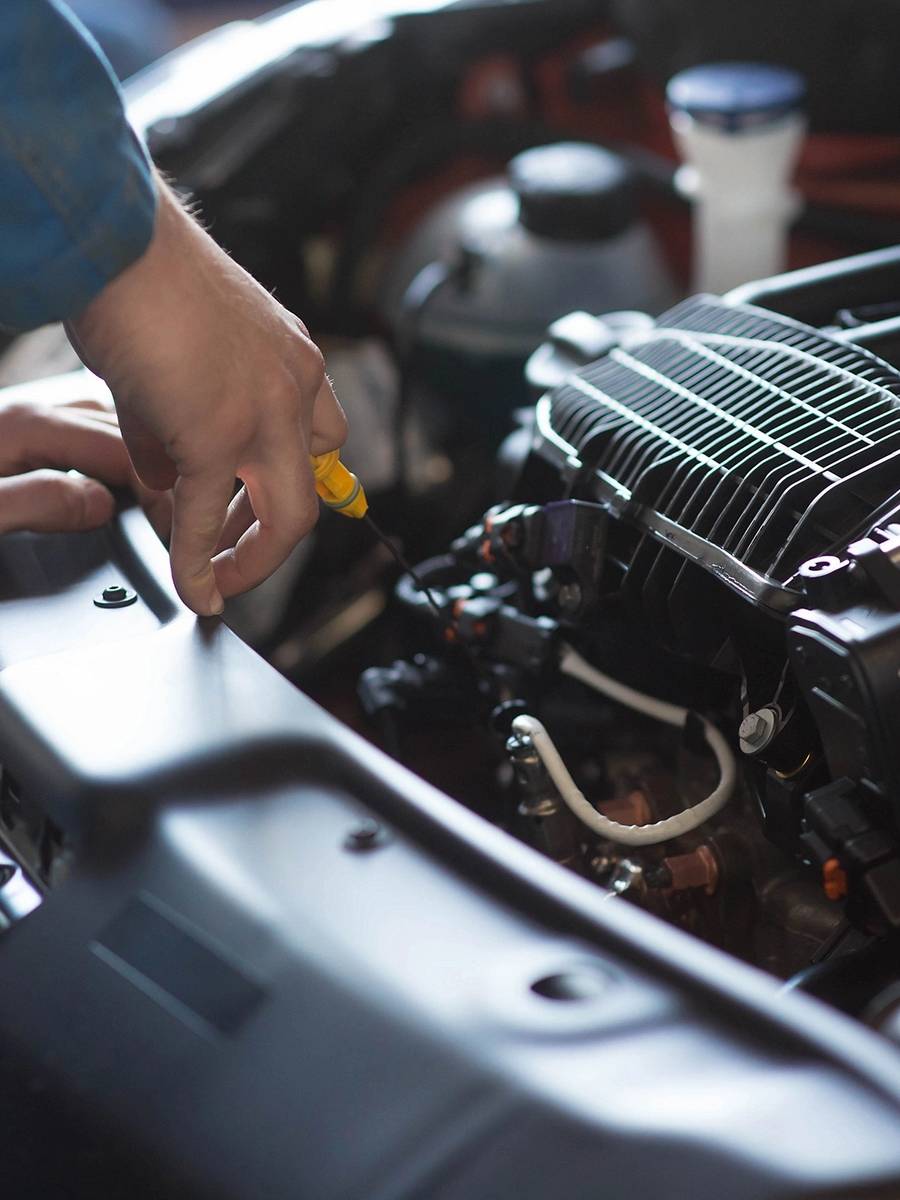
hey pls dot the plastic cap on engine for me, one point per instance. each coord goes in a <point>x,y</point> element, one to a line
<point>573,191</point>
<point>736,96</point>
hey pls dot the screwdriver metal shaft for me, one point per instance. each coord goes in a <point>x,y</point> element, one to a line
<point>405,566</point>
<point>341,490</point>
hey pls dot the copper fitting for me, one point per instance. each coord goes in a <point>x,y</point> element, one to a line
<point>632,809</point>
<point>699,869</point>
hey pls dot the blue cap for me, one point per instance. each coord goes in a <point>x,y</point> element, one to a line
<point>736,96</point>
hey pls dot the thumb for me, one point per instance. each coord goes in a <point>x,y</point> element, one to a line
<point>53,502</point>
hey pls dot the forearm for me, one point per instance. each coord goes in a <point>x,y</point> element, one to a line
<point>78,196</point>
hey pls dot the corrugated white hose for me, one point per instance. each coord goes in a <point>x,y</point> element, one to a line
<point>571,663</point>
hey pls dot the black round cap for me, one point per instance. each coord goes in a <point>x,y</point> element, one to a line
<point>573,191</point>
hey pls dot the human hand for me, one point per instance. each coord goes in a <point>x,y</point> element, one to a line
<point>39,444</point>
<point>213,381</point>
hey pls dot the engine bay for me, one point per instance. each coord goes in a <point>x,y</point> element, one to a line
<point>657,538</point>
<point>699,533</point>
<point>651,631</point>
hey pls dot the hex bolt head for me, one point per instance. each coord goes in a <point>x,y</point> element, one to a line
<point>758,728</point>
<point>752,727</point>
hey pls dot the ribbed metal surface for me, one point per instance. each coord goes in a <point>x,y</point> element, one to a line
<point>762,436</point>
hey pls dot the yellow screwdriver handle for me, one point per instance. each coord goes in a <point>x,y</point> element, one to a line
<point>337,487</point>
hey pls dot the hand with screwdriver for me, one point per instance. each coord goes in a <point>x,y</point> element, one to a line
<point>213,381</point>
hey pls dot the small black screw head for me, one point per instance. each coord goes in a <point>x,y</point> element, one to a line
<point>115,595</point>
<point>367,835</point>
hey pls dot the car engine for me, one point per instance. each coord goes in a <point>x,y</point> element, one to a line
<point>698,552</point>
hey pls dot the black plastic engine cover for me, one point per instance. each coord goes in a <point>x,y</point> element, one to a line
<point>234,997</point>
<point>745,440</point>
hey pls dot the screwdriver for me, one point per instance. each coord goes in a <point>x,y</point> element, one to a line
<point>340,490</point>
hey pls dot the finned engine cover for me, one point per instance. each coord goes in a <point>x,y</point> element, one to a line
<point>747,441</point>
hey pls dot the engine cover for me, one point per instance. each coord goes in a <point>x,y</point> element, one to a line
<point>749,463</point>
<point>745,440</point>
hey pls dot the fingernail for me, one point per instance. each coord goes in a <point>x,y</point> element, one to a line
<point>216,605</point>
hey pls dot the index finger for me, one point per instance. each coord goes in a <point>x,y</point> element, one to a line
<point>63,438</point>
<point>283,498</point>
<point>199,504</point>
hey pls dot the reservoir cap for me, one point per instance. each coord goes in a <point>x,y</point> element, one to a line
<point>573,191</point>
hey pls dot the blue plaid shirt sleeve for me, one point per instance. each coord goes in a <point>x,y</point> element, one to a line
<point>77,198</point>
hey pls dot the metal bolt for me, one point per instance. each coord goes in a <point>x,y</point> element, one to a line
<point>697,869</point>
<point>752,727</point>
<point>367,835</point>
<point>758,728</point>
<point>115,595</point>
<point>520,745</point>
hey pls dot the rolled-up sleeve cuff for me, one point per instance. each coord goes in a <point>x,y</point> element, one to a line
<point>77,191</point>
<point>57,285</point>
